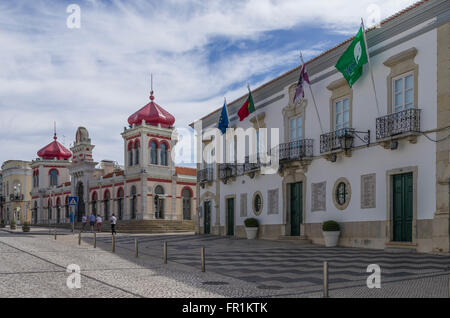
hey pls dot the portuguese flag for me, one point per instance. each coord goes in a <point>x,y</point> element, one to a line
<point>247,108</point>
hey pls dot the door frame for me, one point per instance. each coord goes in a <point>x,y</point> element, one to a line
<point>290,210</point>
<point>390,204</point>
<point>293,176</point>
<point>204,216</point>
<point>232,196</point>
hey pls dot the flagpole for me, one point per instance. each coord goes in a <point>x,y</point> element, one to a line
<point>312,95</point>
<point>370,66</point>
<point>257,122</point>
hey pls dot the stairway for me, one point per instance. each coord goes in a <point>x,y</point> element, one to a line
<point>141,226</point>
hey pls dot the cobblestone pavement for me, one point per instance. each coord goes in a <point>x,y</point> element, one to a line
<point>34,264</point>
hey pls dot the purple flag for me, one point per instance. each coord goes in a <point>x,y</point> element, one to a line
<point>299,91</point>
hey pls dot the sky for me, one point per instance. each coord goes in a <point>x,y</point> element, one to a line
<point>198,51</point>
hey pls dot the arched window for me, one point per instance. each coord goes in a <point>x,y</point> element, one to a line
<point>120,196</point>
<point>106,205</point>
<point>133,201</point>
<point>130,154</point>
<point>159,202</point>
<point>163,154</point>
<point>94,203</point>
<point>186,195</point>
<point>153,153</point>
<point>36,179</point>
<point>53,177</point>
<point>136,152</point>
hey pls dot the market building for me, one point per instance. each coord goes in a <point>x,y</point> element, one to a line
<point>383,175</point>
<point>148,188</point>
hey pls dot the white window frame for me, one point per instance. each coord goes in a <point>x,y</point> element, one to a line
<point>335,102</point>
<point>296,120</point>
<point>403,76</point>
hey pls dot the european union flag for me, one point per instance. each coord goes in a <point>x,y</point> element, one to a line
<point>223,119</point>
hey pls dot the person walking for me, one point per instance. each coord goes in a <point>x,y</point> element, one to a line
<point>84,222</point>
<point>92,221</point>
<point>99,223</point>
<point>113,224</point>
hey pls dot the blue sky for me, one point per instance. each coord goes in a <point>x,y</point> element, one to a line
<point>199,52</point>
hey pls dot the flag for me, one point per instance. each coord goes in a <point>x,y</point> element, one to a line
<point>247,108</point>
<point>299,91</point>
<point>223,119</point>
<point>350,64</point>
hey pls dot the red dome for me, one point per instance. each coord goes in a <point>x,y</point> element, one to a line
<point>54,150</point>
<point>153,114</point>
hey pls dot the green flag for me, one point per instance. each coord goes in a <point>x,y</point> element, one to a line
<point>350,64</point>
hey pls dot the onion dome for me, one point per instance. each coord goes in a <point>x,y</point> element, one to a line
<point>153,114</point>
<point>54,150</point>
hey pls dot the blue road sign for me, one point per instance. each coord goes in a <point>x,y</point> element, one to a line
<point>73,201</point>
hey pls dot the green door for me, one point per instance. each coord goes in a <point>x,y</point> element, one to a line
<point>207,218</point>
<point>296,206</point>
<point>403,207</point>
<point>230,216</point>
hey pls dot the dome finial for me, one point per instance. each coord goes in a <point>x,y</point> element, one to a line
<point>151,87</point>
<point>54,130</point>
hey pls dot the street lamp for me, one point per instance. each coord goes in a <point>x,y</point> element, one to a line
<point>346,140</point>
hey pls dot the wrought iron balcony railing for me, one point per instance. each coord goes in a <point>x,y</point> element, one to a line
<point>205,174</point>
<point>404,121</point>
<point>16,197</point>
<point>296,150</point>
<point>251,166</point>
<point>332,140</point>
<point>227,170</point>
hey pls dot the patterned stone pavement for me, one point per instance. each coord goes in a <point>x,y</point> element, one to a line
<point>34,264</point>
<point>292,268</point>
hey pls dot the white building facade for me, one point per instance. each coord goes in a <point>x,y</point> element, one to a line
<point>383,175</point>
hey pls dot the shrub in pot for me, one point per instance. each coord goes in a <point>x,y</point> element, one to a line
<point>12,225</point>
<point>331,232</point>
<point>251,228</point>
<point>2,223</point>
<point>26,227</point>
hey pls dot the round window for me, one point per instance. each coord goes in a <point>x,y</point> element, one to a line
<point>257,203</point>
<point>341,193</point>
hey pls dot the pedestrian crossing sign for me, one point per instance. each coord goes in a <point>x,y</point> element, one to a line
<point>73,201</point>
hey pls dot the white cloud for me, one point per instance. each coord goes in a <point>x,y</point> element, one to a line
<point>98,75</point>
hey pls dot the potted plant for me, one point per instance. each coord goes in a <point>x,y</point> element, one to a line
<point>12,225</point>
<point>331,232</point>
<point>26,227</point>
<point>251,228</point>
<point>2,224</point>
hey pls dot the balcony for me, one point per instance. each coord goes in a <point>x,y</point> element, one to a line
<point>342,140</point>
<point>403,122</point>
<point>16,197</point>
<point>296,150</point>
<point>205,175</point>
<point>227,171</point>
<point>333,140</point>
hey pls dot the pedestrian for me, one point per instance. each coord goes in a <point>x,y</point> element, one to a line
<point>92,221</point>
<point>84,222</point>
<point>113,224</point>
<point>99,223</point>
